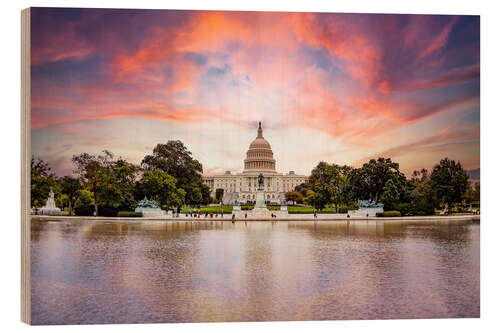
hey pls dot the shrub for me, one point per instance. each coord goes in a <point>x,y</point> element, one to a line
<point>353,206</point>
<point>129,214</point>
<point>343,210</point>
<point>415,208</point>
<point>107,211</point>
<point>389,213</point>
<point>309,210</point>
<point>84,210</point>
<point>405,209</point>
<point>423,208</point>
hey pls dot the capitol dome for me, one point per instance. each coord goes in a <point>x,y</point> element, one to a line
<point>259,156</point>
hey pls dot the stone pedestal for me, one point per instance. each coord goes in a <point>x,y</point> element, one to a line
<point>283,211</point>
<point>149,208</point>
<point>260,202</point>
<point>260,208</point>
<point>237,211</point>
<point>364,212</point>
<point>151,212</point>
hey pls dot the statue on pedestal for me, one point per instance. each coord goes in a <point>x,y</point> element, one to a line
<point>149,208</point>
<point>366,208</point>
<point>145,203</point>
<point>369,204</point>
<point>236,206</point>
<point>50,205</point>
<point>261,181</point>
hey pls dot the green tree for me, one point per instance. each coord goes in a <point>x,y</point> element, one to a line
<point>94,174</point>
<point>219,194</point>
<point>339,186</point>
<point>193,193</point>
<point>423,192</point>
<point>42,179</point>
<point>62,201</point>
<point>309,197</point>
<point>294,196</point>
<point>476,194</point>
<point>316,200</point>
<point>369,181</point>
<point>123,176</point>
<point>468,196</point>
<point>449,181</point>
<point>174,159</point>
<point>110,181</point>
<point>302,188</point>
<point>71,188</point>
<point>206,195</point>
<point>84,203</point>
<point>179,199</point>
<point>320,183</point>
<point>331,181</point>
<point>391,195</point>
<point>420,176</point>
<point>161,187</point>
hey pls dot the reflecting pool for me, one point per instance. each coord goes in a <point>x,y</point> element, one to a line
<point>105,272</point>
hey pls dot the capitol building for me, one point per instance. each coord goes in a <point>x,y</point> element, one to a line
<point>243,186</point>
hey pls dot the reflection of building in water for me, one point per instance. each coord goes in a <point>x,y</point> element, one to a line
<point>243,186</point>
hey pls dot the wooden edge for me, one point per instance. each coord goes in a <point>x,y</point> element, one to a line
<point>25,165</point>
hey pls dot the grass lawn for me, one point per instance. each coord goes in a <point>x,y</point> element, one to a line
<point>309,210</point>
<point>213,209</point>
<point>291,209</point>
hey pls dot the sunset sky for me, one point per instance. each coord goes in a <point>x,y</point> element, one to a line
<point>341,88</point>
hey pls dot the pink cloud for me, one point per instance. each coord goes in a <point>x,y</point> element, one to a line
<point>354,77</point>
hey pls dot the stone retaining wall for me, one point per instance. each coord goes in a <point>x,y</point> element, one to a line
<point>291,217</point>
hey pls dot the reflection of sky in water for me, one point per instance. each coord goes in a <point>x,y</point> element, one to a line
<point>190,272</point>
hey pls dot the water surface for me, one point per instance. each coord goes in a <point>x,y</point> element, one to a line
<point>85,272</point>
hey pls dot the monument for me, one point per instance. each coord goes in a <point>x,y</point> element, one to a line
<point>149,208</point>
<point>283,209</point>
<point>50,205</point>
<point>260,207</point>
<point>367,208</point>
<point>236,207</point>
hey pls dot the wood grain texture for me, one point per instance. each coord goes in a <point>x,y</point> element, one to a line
<point>25,166</point>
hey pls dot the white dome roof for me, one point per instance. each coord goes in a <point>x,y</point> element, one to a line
<point>260,155</point>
